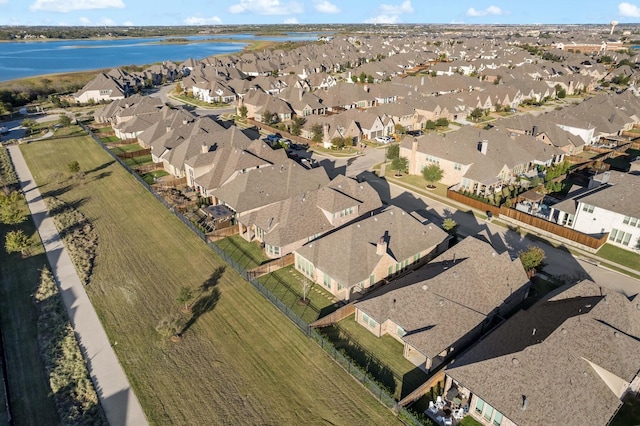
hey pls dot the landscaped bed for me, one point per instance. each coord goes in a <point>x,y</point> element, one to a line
<point>241,362</point>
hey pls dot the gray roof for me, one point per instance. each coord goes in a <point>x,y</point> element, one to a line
<point>620,196</point>
<point>443,301</point>
<point>349,255</point>
<point>548,354</point>
<point>266,185</point>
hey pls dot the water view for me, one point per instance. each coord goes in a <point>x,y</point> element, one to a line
<point>27,59</point>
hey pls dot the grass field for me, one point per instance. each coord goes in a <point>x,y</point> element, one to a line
<point>28,382</point>
<point>121,149</point>
<point>241,362</point>
<point>620,256</point>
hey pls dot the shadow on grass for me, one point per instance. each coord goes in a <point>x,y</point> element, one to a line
<point>207,300</point>
<point>68,206</point>
<point>100,167</point>
<point>56,192</point>
<point>363,358</point>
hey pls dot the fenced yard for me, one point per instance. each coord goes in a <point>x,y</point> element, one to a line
<point>381,357</point>
<point>286,285</point>
<point>247,255</point>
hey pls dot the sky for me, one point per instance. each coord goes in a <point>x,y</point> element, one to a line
<point>233,12</point>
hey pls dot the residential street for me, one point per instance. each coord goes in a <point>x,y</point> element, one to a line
<point>559,261</point>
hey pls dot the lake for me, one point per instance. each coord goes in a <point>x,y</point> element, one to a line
<point>32,58</point>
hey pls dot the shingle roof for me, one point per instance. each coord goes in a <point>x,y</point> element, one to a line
<point>349,254</point>
<point>446,299</point>
<point>554,354</point>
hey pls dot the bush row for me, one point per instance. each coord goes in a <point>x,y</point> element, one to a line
<point>75,397</point>
<point>8,176</point>
<point>78,234</point>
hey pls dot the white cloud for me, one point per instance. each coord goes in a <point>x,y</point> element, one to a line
<point>290,21</point>
<point>491,10</point>
<point>390,9</point>
<point>85,21</point>
<point>69,5</point>
<point>4,1</point>
<point>199,20</point>
<point>326,7</point>
<point>128,23</point>
<point>629,10</point>
<point>383,19</point>
<point>266,7</point>
<point>101,22</point>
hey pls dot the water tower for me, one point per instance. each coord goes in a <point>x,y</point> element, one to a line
<point>613,25</point>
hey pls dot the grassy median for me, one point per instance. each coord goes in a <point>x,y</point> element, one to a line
<point>240,362</point>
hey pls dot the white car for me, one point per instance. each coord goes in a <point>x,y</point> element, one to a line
<point>384,139</point>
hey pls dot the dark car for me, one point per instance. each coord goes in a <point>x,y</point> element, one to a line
<point>415,132</point>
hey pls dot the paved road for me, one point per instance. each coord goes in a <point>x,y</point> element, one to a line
<point>116,396</point>
<point>559,261</point>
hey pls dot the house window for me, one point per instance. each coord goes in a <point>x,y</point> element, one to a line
<point>416,258</point>
<point>400,331</point>
<point>457,166</point>
<point>587,208</point>
<point>372,280</point>
<point>340,287</point>
<point>479,405</point>
<point>497,419</point>
<point>327,281</point>
<point>390,270</point>
<point>368,320</point>
<point>488,412</point>
<point>620,237</point>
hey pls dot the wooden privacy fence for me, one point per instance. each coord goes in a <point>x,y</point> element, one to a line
<point>335,316</point>
<point>134,154</point>
<point>219,234</point>
<point>274,265</point>
<point>554,228</point>
<point>472,202</point>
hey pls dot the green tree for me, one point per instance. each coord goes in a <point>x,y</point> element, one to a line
<point>185,295</point>
<point>363,77</point>
<point>354,78</point>
<point>449,225</point>
<point>476,114</point>
<point>432,174</point>
<point>338,142</point>
<point>267,117</point>
<point>73,167</point>
<point>64,120</point>
<point>316,133</point>
<point>430,125</point>
<point>16,242</point>
<point>29,124</point>
<point>243,112</point>
<point>399,165</point>
<point>12,211</point>
<point>399,129</point>
<point>531,259</point>
<point>442,122</point>
<point>296,126</point>
<point>393,152</point>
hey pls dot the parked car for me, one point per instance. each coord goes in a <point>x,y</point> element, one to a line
<point>415,132</point>
<point>3,130</point>
<point>273,138</point>
<point>384,139</point>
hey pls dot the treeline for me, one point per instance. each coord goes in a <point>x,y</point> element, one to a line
<point>17,93</point>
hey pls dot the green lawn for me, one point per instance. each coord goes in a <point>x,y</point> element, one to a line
<point>416,183</point>
<point>321,301</point>
<point>110,139</point>
<point>469,421</point>
<point>242,361</point>
<point>620,256</point>
<point>247,255</point>
<point>32,403</point>
<point>121,149</point>
<point>151,177</point>
<point>387,349</point>
<point>143,160</point>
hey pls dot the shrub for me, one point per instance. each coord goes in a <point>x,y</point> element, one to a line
<point>73,392</point>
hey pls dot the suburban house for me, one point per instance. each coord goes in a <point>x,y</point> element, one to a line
<point>441,308</point>
<point>102,88</point>
<point>482,161</point>
<point>262,186</point>
<point>545,130</point>
<point>609,204</point>
<point>568,360</point>
<point>357,256</point>
<point>287,225</point>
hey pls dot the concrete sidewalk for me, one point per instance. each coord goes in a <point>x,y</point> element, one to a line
<point>114,391</point>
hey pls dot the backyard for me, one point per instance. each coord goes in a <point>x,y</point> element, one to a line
<point>241,361</point>
<point>387,366</point>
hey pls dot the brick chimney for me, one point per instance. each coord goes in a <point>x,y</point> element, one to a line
<point>381,247</point>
